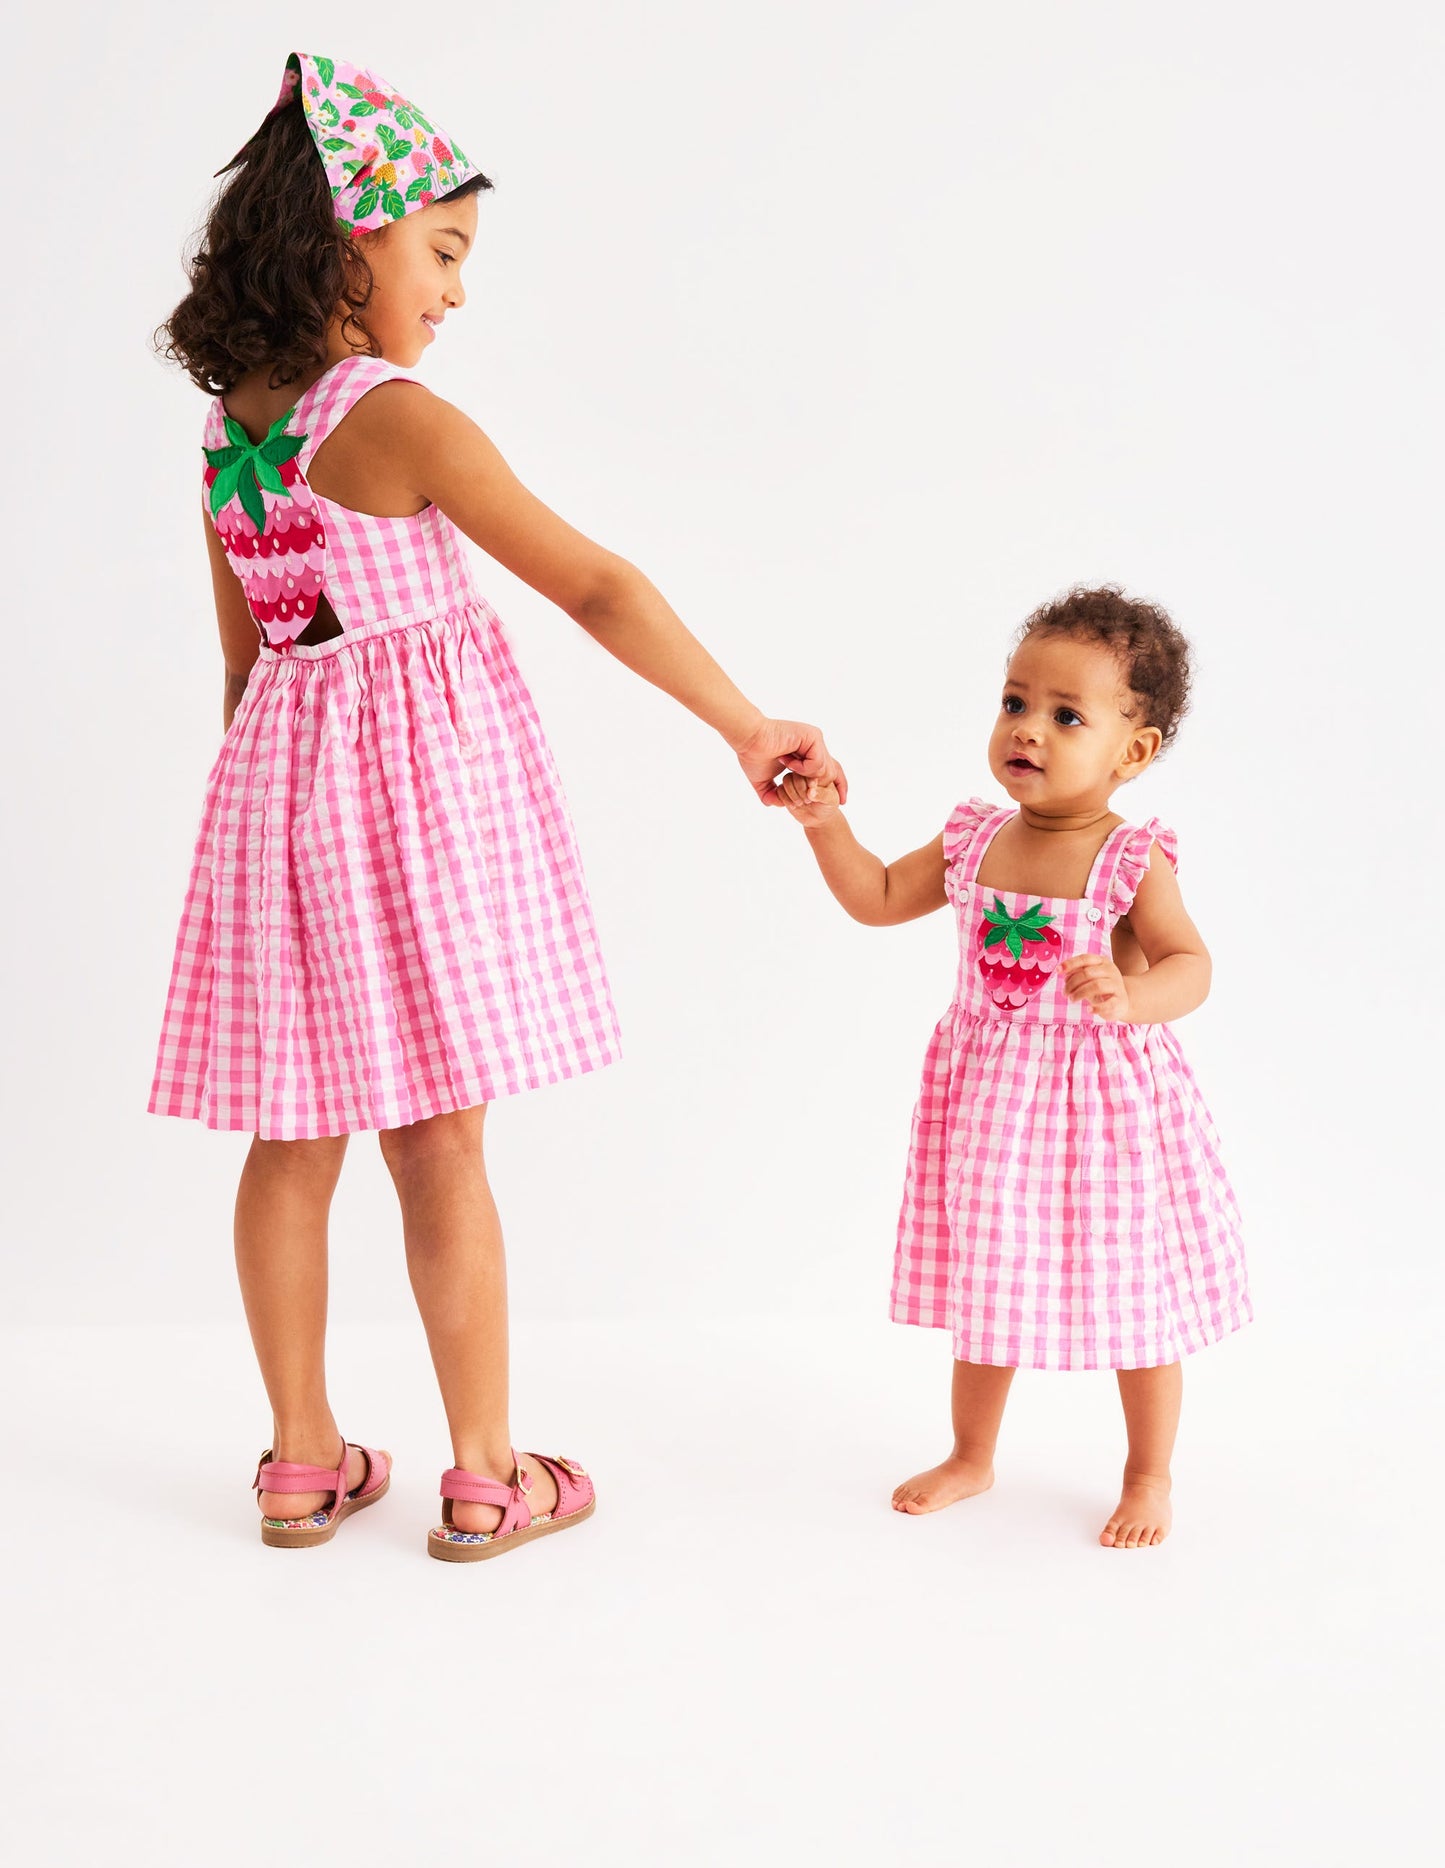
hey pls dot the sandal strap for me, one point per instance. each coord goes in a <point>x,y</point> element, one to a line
<point>285,1475</point>
<point>378,1466</point>
<point>472,1488</point>
<point>574,1484</point>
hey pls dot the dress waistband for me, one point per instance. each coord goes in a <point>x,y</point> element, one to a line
<point>364,632</point>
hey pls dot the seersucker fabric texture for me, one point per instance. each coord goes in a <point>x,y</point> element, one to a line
<point>1065,1202</point>
<point>386,916</point>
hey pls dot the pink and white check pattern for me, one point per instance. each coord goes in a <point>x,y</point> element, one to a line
<point>387,916</point>
<point>1065,1204</point>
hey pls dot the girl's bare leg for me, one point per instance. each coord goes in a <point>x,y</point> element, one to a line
<point>1151,1400</point>
<point>282,1206</point>
<point>979,1394</point>
<point>458,1273</point>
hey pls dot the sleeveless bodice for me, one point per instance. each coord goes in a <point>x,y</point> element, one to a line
<point>311,569</point>
<point>1011,945</point>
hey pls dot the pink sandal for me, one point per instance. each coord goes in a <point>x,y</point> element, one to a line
<point>283,1475</point>
<point>576,1500</point>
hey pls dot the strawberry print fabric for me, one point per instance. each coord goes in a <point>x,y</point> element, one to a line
<point>1065,1203</point>
<point>383,158</point>
<point>386,916</point>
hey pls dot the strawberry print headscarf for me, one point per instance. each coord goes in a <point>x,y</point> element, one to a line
<point>381,155</point>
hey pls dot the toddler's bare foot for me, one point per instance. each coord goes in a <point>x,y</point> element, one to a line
<point>541,1499</point>
<point>1142,1516</point>
<point>943,1485</point>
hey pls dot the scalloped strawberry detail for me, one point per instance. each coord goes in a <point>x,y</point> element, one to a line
<point>268,521</point>
<point>1017,954</point>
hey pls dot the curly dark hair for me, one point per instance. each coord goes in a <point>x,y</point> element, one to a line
<point>1152,653</point>
<point>271,267</point>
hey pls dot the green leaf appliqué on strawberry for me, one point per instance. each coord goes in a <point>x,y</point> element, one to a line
<point>1017,954</point>
<point>246,466</point>
<point>277,550</point>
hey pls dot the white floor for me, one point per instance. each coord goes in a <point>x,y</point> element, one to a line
<point>745,1654</point>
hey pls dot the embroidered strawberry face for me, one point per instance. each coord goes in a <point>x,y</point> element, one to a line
<point>1017,954</point>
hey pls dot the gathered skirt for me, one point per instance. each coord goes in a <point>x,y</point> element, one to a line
<point>386,916</point>
<point>1065,1203</point>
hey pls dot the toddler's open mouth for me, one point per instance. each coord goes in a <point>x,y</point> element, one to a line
<point>1021,767</point>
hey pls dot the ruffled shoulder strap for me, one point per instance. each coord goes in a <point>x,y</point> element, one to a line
<point>1126,860</point>
<point>967,835</point>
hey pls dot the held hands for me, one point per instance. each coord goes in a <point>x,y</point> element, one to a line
<point>809,800</point>
<point>789,746</point>
<point>1093,976</point>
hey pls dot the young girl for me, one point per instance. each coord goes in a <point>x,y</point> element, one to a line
<point>1065,1206</point>
<point>387,924</point>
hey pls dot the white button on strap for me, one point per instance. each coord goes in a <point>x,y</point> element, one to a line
<point>1092,914</point>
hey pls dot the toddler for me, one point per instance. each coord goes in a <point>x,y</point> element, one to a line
<point>1065,1205</point>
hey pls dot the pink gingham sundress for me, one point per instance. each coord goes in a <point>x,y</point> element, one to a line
<point>1065,1205</point>
<point>386,916</point>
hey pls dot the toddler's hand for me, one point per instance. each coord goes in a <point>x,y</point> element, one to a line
<point>810,800</point>
<point>1093,976</point>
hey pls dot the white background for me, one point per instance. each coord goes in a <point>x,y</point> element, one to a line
<point>861,329</point>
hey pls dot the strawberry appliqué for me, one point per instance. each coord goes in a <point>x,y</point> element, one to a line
<point>1017,954</point>
<point>269,523</point>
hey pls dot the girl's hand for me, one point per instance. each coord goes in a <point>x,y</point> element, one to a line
<point>1093,976</point>
<point>787,745</point>
<point>810,800</point>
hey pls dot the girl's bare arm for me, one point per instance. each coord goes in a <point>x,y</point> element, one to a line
<point>879,894</point>
<point>450,460</point>
<point>1179,965</point>
<point>240,643</point>
<point>1179,968</point>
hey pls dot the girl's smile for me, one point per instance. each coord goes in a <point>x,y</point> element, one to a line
<point>416,267</point>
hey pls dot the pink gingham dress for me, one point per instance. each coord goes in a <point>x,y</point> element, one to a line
<point>386,916</point>
<point>1065,1205</point>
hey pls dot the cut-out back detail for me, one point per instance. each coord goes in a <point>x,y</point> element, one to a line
<point>325,624</point>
